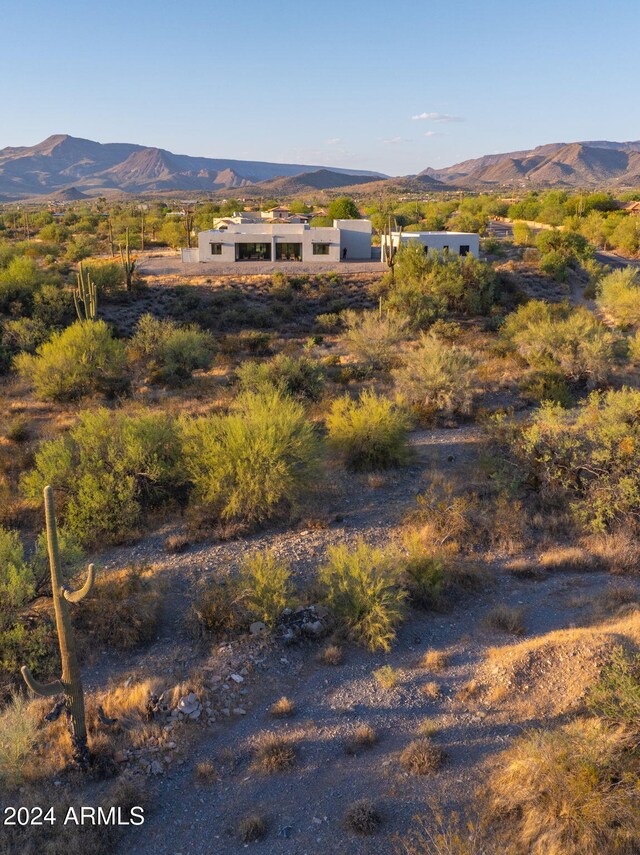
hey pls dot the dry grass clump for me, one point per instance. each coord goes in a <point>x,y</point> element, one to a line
<point>619,551</point>
<point>252,827</point>
<point>436,660</point>
<point>431,690</point>
<point>616,602</point>
<point>427,728</point>
<point>205,772</point>
<point>568,558</point>
<point>422,757</point>
<point>273,752</point>
<point>364,736</point>
<point>506,619</point>
<point>18,733</point>
<point>387,677</point>
<point>177,543</point>
<point>569,791</point>
<point>362,817</point>
<point>523,568</point>
<point>282,708</point>
<point>331,655</point>
<point>124,609</point>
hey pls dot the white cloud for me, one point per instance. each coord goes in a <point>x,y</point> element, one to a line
<point>434,134</point>
<point>394,141</point>
<point>436,117</point>
<point>333,141</point>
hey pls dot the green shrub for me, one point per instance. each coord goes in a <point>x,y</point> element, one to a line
<point>108,276</point>
<point>362,587</point>
<point>264,587</point>
<point>426,287</point>
<point>23,334</point>
<point>373,337</point>
<point>370,433</point>
<point>437,377</point>
<point>588,457</point>
<point>254,462</point>
<point>300,377</point>
<point>616,695</point>
<point>82,360</point>
<point>548,386</point>
<point>424,578</point>
<point>556,338</point>
<point>554,264</point>
<point>19,280</point>
<point>107,470</point>
<point>619,296</point>
<point>171,353</point>
<point>16,576</point>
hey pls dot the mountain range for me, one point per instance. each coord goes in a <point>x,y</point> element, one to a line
<point>580,164</point>
<point>64,165</point>
<point>70,168</point>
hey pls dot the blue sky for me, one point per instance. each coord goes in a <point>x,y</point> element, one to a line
<point>394,86</point>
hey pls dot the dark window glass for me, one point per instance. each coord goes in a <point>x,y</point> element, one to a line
<point>464,249</point>
<point>321,248</point>
<point>216,248</point>
<point>253,252</point>
<point>288,252</point>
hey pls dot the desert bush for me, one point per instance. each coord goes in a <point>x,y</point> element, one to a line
<point>522,234</point>
<point>505,619</point>
<point>108,275</point>
<point>588,457</point>
<point>373,337</point>
<point>82,360</point>
<point>123,610</point>
<point>387,677</point>
<point>619,296</point>
<point>252,828</point>
<point>362,737</point>
<point>424,572</point>
<point>616,695</point>
<point>282,708</point>
<point>362,587</point>
<point>273,752</point>
<point>107,470</point>
<point>254,462</point>
<point>437,377</point>
<point>171,353</point>
<point>17,581</point>
<point>264,586</point>
<point>18,731</point>
<point>556,338</point>
<point>422,756</point>
<point>23,335</point>
<point>300,377</point>
<point>362,817</point>
<point>569,791</point>
<point>370,433</point>
<point>19,280</point>
<point>216,610</point>
<point>426,287</point>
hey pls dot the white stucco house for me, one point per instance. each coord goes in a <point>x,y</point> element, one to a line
<point>346,240</point>
<point>452,243</point>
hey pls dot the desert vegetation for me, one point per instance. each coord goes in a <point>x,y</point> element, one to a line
<point>368,537</point>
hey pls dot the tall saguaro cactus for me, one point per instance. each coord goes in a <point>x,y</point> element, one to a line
<point>70,683</point>
<point>388,251</point>
<point>85,296</point>
<point>128,263</point>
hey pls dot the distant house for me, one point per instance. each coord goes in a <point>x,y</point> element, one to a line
<point>346,240</point>
<point>632,207</point>
<point>448,243</point>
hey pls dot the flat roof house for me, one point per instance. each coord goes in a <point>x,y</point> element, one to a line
<point>452,243</point>
<point>346,240</point>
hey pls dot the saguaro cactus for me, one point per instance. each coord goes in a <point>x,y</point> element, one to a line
<point>85,296</point>
<point>389,252</point>
<point>128,263</point>
<point>70,683</point>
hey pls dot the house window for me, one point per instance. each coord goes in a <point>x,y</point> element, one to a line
<point>216,248</point>
<point>321,248</point>
<point>288,252</point>
<point>253,252</point>
<point>445,250</point>
<point>464,249</point>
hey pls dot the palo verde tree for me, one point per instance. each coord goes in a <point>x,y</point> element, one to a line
<point>70,683</point>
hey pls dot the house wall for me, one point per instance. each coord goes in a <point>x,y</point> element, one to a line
<point>437,241</point>
<point>354,235</point>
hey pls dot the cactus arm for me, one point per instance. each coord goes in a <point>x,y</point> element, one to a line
<point>45,690</point>
<point>81,593</point>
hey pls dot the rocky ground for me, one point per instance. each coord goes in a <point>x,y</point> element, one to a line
<point>465,703</point>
